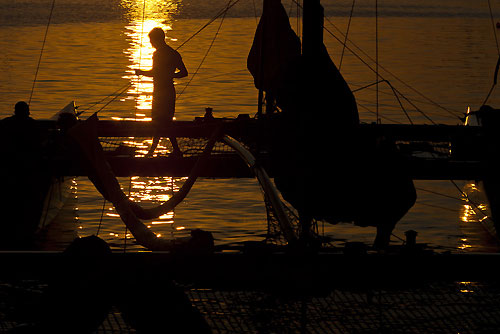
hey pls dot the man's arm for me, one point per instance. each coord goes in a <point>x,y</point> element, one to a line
<point>146,73</point>
<point>149,73</point>
<point>182,70</point>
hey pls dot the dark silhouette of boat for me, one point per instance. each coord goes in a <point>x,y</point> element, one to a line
<point>307,116</point>
<point>32,194</point>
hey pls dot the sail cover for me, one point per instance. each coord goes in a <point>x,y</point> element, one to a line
<point>274,46</point>
<point>324,166</point>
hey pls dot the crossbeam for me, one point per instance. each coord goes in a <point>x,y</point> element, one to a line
<point>464,163</point>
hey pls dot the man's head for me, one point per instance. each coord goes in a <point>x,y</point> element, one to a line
<point>157,36</point>
<point>22,109</point>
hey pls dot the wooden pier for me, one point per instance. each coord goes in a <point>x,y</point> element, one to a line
<point>462,156</point>
<point>281,293</point>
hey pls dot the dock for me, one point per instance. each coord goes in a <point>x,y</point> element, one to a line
<point>446,151</point>
<point>246,292</point>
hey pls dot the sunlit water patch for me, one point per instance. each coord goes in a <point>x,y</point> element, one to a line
<point>91,53</point>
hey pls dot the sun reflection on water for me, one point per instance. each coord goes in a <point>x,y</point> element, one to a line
<point>144,15</point>
<point>474,209</point>
<point>467,287</point>
<point>475,222</point>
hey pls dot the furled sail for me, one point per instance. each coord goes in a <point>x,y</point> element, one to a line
<point>324,167</point>
<point>274,47</point>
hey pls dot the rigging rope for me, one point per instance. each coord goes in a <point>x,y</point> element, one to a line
<point>439,194</point>
<point>220,13</point>
<point>255,13</point>
<point>346,34</point>
<point>373,112</point>
<point>206,53</point>
<point>100,219</point>
<point>495,76</point>
<point>140,48</point>
<point>120,91</point>
<point>123,90</point>
<point>376,71</point>
<point>377,76</point>
<point>380,76</point>
<point>41,51</point>
<point>399,101</point>
<point>92,105</point>
<point>494,27</point>
<point>299,6</point>
<point>135,113</point>
<point>437,206</point>
<point>468,199</point>
<point>449,111</point>
<point>395,93</point>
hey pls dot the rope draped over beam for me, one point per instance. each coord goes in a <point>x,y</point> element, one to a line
<point>87,143</point>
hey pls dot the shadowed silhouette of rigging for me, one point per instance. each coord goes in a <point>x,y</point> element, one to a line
<point>325,168</point>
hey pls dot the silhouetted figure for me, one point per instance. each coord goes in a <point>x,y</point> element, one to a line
<point>22,110</point>
<point>19,132</point>
<point>167,65</point>
<point>26,180</point>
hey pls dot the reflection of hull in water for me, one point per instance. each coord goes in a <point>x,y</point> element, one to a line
<point>481,206</point>
<point>25,197</point>
<point>57,194</point>
<point>30,212</point>
<point>476,223</point>
<point>31,197</point>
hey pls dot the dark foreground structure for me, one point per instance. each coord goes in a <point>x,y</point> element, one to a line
<point>261,292</point>
<point>264,288</point>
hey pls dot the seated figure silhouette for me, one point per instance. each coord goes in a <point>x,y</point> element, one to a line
<point>26,179</point>
<point>21,115</point>
<point>167,65</point>
<point>19,132</point>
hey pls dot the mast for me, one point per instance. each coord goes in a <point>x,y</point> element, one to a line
<point>312,30</point>
<point>312,44</point>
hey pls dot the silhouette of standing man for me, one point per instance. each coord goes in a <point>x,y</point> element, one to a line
<point>167,65</point>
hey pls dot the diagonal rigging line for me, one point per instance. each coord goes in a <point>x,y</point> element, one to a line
<point>440,194</point>
<point>208,50</point>
<point>468,199</point>
<point>382,67</point>
<point>381,116</point>
<point>494,27</point>
<point>372,69</point>
<point>393,92</point>
<point>437,206</point>
<point>347,34</point>
<point>399,101</point>
<point>361,87</point>
<point>219,14</point>
<point>41,51</point>
<point>115,97</point>
<point>498,51</point>
<point>451,112</point>
<point>123,89</point>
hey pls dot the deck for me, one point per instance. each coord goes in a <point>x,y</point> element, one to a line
<point>282,293</point>
<point>432,152</point>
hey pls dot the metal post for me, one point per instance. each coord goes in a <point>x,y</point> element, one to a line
<point>312,20</point>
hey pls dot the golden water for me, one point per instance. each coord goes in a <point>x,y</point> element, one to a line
<point>93,47</point>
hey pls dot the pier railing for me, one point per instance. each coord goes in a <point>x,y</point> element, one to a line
<point>431,152</point>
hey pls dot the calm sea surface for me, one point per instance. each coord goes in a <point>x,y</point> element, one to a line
<point>440,55</point>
